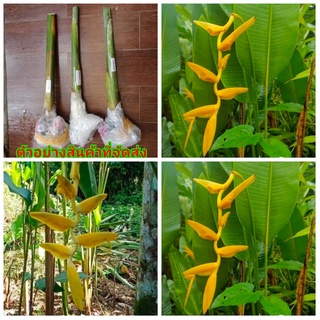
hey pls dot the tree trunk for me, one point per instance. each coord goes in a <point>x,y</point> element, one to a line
<point>146,294</point>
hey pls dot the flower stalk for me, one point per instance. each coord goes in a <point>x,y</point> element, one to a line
<point>210,269</point>
<point>208,76</point>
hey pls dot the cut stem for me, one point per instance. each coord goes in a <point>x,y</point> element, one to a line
<point>112,90</point>
<point>50,60</point>
<point>76,70</point>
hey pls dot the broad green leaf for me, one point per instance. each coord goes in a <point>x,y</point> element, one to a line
<point>303,232</point>
<point>179,264</point>
<point>275,148</point>
<point>40,284</point>
<point>267,204</point>
<point>292,89</point>
<point>170,206</point>
<point>62,277</point>
<point>166,146</point>
<point>288,264</point>
<point>170,48</point>
<point>268,45</point>
<point>293,248</point>
<point>179,106</point>
<point>237,295</point>
<point>239,136</point>
<point>88,181</point>
<point>275,306</point>
<point>289,106</point>
<point>22,192</point>
<point>166,302</point>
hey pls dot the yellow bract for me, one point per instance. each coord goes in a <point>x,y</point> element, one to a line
<point>93,239</point>
<point>203,231</point>
<point>86,206</point>
<point>203,73</point>
<point>54,221</point>
<point>75,285</point>
<point>212,187</point>
<point>230,251</point>
<point>226,202</point>
<point>65,188</point>
<point>188,94</point>
<point>230,93</point>
<point>212,29</point>
<point>227,43</point>
<point>59,251</point>
<point>189,252</point>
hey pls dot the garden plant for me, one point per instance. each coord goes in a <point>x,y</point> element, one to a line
<point>238,238</point>
<point>95,252</point>
<point>238,80</point>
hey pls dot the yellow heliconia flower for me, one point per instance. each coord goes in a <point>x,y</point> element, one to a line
<point>230,251</point>
<point>212,29</point>
<point>223,220</point>
<point>86,206</point>
<point>226,202</point>
<point>189,94</point>
<point>189,252</point>
<point>59,251</point>
<point>54,221</point>
<point>75,285</point>
<point>212,187</point>
<point>222,63</point>
<point>230,93</point>
<point>209,133</point>
<point>65,187</point>
<point>203,231</point>
<point>203,73</point>
<point>93,239</point>
<point>191,120</point>
<point>227,43</point>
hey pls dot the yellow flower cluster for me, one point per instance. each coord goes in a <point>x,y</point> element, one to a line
<point>62,224</point>
<point>211,111</point>
<point>211,269</point>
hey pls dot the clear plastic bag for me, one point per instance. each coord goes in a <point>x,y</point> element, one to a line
<point>118,129</point>
<point>82,124</point>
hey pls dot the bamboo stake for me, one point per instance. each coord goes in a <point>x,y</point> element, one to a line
<point>76,71</point>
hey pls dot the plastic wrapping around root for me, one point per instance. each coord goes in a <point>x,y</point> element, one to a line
<point>82,124</point>
<point>118,129</point>
<point>52,130</point>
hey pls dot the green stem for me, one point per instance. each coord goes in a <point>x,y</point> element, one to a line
<point>50,62</point>
<point>267,232</point>
<point>76,70</point>
<point>65,242</point>
<point>112,90</point>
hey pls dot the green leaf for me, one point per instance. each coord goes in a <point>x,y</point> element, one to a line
<point>292,248</point>
<point>170,48</point>
<point>16,226</point>
<point>179,264</point>
<point>239,136</point>
<point>62,277</point>
<point>289,265</point>
<point>170,206</point>
<point>275,148</point>
<point>166,146</point>
<point>267,204</point>
<point>166,302</point>
<point>237,295</point>
<point>293,90</point>
<point>275,306</point>
<point>88,181</point>
<point>22,192</point>
<point>179,106</point>
<point>289,106</point>
<point>266,48</point>
<point>40,284</point>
